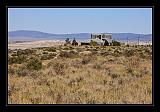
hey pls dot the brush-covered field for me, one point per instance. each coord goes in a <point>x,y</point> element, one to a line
<point>80,75</point>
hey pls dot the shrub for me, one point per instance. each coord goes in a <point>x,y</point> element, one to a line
<point>117,53</point>
<point>86,46</point>
<point>97,66</point>
<point>97,47</point>
<point>45,52</point>
<point>106,43</point>
<point>148,51</point>
<point>80,78</point>
<point>17,59</point>
<point>70,54</point>
<point>86,60</point>
<point>59,68</point>
<point>79,49</point>
<point>145,55</point>
<point>48,56</point>
<point>127,45</point>
<point>116,43</point>
<point>67,41</point>
<point>14,54</point>
<point>66,48</point>
<point>93,50</point>
<point>11,70</point>
<point>25,52</point>
<point>135,46</point>
<point>114,76</point>
<point>105,53</point>
<point>74,42</point>
<point>64,54</point>
<point>50,49</point>
<point>128,53</point>
<point>44,57</point>
<point>12,60</point>
<point>22,72</point>
<point>95,53</point>
<point>34,64</point>
<point>129,70</point>
<point>71,48</point>
<point>93,43</point>
<point>73,53</point>
<point>10,51</point>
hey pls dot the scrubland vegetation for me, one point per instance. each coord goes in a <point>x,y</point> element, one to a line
<point>80,75</point>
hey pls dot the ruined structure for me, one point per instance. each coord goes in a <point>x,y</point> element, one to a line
<point>101,39</point>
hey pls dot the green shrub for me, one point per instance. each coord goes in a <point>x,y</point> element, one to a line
<point>93,43</point>
<point>17,59</point>
<point>104,53</point>
<point>71,48</point>
<point>128,53</point>
<point>34,64</point>
<point>48,56</point>
<point>64,54</point>
<point>66,48</point>
<point>145,55</point>
<point>50,49</point>
<point>116,43</point>
<point>70,54</point>
<point>117,53</point>
<point>25,52</point>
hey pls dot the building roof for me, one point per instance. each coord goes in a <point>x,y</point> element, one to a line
<point>100,34</point>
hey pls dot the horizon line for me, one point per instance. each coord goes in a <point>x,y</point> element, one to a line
<point>79,32</point>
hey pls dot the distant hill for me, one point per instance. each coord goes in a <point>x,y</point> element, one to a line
<point>132,37</point>
<point>23,35</point>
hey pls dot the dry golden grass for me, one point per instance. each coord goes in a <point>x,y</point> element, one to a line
<point>98,76</point>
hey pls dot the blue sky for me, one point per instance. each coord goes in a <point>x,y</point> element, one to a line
<point>81,20</point>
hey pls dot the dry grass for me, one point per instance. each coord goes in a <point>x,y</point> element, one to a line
<point>73,76</point>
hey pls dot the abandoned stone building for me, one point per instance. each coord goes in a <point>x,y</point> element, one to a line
<point>102,38</point>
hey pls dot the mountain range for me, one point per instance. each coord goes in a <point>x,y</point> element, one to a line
<point>27,35</point>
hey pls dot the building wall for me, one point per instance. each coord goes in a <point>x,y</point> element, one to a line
<point>96,38</point>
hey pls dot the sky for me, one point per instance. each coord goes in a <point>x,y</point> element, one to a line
<point>81,20</point>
